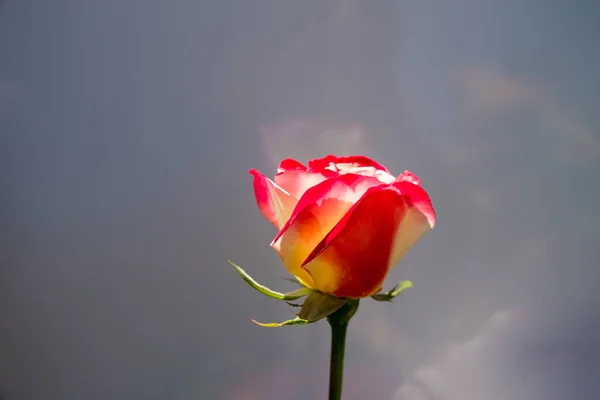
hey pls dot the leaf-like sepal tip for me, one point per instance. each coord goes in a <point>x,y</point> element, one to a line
<point>295,321</point>
<point>394,292</point>
<point>294,295</point>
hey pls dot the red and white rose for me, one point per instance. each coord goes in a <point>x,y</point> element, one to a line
<point>343,222</point>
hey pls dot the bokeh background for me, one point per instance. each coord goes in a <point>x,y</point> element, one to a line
<point>126,131</point>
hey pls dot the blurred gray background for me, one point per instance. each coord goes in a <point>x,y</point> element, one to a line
<point>126,131</point>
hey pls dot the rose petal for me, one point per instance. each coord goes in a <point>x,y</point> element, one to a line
<point>419,219</point>
<point>273,201</point>
<point>354,259</point>
<point>296,182</point>
<point>352,165</point>
<point>408,177</point>
<point>293,177</point>
<point>317,212</point>
<point>290,164</point>
<point>355,161</point>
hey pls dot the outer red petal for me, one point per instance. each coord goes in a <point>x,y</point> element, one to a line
<point>353,260</point>
<point>317,212</point>
<point>290,164</point>
<point>408,177</point>
<point>419,219</point>
<point>357,161</point>
<point>274,203</point>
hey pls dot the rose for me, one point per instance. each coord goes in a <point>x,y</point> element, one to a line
<point>343,221</point>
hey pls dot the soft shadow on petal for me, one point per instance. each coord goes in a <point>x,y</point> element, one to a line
<point>317,212</point>
<point>274,202</point>
<point>419,219</point>
<point>353,260</point>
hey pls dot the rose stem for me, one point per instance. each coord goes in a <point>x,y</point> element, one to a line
<point>339,325</point>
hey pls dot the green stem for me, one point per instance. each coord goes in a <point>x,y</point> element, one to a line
<point>339,325</point>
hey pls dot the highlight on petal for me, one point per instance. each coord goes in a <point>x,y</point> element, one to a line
<point>347,161</point>
<point>409,177</point>
<point>273,201</point>
<point>297,182</point>
<point>355,257</point>
<point>315,215</point>
<point>360,165</point>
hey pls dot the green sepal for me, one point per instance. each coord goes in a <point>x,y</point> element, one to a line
<point>319,305</point>
<point>316,307</point>
<point>394,292</point>
<point>295,321</point>
<point>294,295</point>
